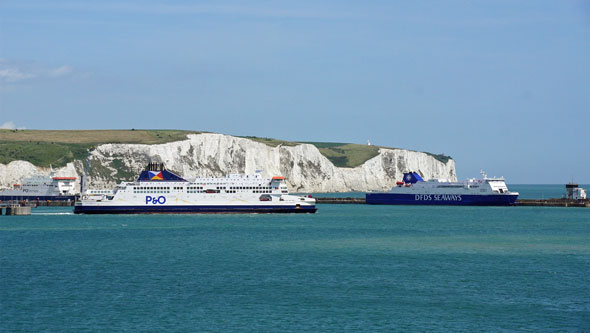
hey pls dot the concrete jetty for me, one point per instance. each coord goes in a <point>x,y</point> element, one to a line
<point>15,209</point>
<point>340,200</point>
<point>553,202</point>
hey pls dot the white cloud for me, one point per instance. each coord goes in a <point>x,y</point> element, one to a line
<point>9,125</point>
<point>16,71</point>
<point>61,71</point>
<point>12,74</point>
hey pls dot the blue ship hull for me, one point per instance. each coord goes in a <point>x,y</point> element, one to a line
<point>37,197</point>
<point>440,199</point>
<point>191,209</point>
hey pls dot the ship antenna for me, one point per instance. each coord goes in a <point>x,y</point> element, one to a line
<point>483,174</point>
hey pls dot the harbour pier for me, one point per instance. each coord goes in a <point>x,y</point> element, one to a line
<point>553,202</point>
<point>14,209</point>
<point>321,200</point>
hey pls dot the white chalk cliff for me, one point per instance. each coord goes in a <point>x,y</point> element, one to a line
<point>217,155</point>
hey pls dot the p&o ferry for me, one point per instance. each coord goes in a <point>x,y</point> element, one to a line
<point>158,190</point>
<point>413,190</point>
<point>42,188</point>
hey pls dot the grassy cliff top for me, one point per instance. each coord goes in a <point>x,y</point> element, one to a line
<point>94,136</point>
<point>59,147</point>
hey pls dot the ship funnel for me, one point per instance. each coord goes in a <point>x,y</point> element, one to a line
<point>412,177</point>
<point>155,172</point>
<point>152,166</point>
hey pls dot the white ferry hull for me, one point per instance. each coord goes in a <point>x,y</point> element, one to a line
<point>41,188</point>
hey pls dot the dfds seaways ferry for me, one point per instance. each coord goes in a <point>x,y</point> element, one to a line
<point>413,190</point>
<point>158,190</point>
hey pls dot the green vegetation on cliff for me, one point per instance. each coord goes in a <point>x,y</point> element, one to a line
<point>59,147</point>
<point>42,153</point>
<point>343,155</point>
<point>347,155</point>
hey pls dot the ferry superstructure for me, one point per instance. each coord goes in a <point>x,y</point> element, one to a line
<point>158,190</point>
<point>413,190</point>
<point>42,188</point>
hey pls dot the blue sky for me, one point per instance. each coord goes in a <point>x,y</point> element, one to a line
<point>498,85</point>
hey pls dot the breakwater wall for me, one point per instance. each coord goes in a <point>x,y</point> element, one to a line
<point>340,200</point>
<point>553,202</point>
<point>520,202</point>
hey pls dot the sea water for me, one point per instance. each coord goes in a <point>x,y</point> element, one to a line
<point>346,268</point>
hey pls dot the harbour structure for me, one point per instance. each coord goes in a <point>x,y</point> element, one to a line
<point>158,190</point>
<point>15,209</point>
<point>42,188</point>
<point>413,190</point>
